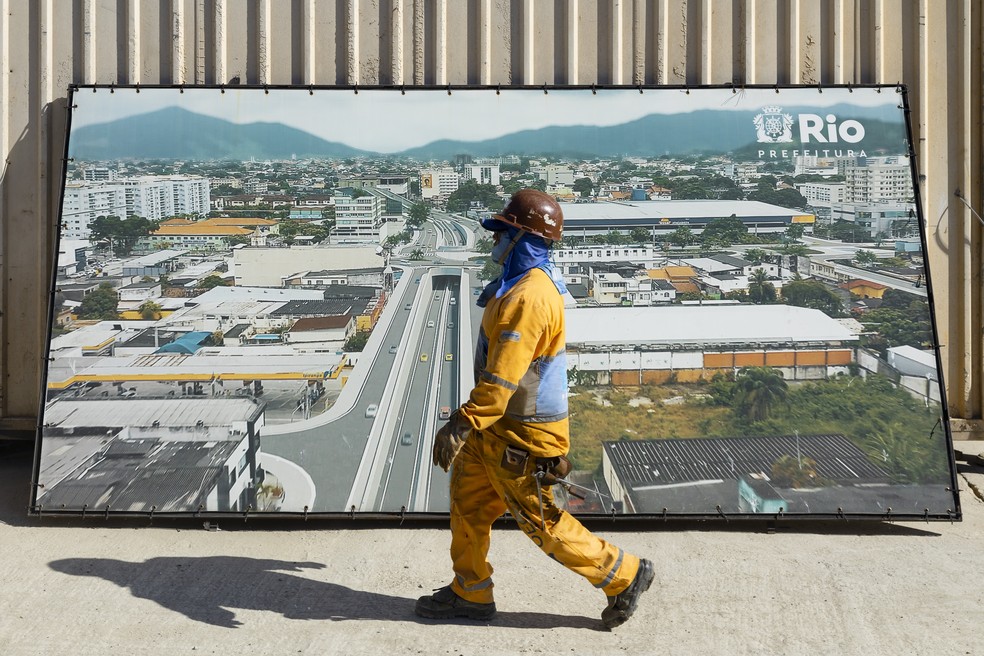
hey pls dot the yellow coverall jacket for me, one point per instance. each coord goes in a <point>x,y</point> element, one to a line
<point>520,400</point>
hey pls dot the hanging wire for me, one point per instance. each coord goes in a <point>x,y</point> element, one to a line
<point>969,207</point>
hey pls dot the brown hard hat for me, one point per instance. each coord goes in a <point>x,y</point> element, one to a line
<point>536,212</point>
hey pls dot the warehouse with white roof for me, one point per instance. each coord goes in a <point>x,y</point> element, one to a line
<point>651,345</point>
<point>586,219</point>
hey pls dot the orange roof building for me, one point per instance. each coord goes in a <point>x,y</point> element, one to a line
<point>864,288</point>
<point>196,237</point>
<point>673,273</point>
<point>242,222</point>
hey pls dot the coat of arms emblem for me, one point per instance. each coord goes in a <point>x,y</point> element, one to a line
<point>772,126</point>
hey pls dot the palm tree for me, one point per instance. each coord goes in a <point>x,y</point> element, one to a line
<point>759,389</point>
<point>760,290</point>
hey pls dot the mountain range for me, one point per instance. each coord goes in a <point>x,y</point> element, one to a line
<point>176,133</point>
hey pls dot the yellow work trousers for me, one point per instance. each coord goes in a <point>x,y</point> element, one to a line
<point>481,491</point>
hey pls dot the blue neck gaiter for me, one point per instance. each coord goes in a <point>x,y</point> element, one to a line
<point>530,252</point>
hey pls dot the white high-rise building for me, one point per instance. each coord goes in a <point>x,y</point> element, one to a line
<point>161,197</point>
<point>880,179</point>
<point>151,197</point>
<point>84,202</point>
<point>358,219</point>
<point>483,173</point>
<point>819,194</point>
<point>99,174</point>
<point>554,174</point>
<point>435,183</point>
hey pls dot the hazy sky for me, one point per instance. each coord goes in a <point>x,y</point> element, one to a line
<point>366,120</point>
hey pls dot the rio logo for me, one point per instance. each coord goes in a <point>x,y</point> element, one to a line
<point>773,126</point>
<point>813,127</point>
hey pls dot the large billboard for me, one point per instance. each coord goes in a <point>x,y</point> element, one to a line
<point>264,301</point>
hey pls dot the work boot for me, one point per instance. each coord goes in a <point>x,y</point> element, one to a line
<point>445,604</point>
<point>621,606</point>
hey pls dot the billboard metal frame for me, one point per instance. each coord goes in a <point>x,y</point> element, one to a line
<point>635,520</point>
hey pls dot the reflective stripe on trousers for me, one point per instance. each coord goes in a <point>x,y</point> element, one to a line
<point>481,492</point>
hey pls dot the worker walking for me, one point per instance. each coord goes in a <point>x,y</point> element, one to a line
<point>509,440</point>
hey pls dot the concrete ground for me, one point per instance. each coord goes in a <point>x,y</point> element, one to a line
<point>72,586</point>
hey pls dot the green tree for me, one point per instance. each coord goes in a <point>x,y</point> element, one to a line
<point>471,191</point>
<point>893,327</point>
<point>211,281</point>
<point>237,240</point>
<point>690,190</point>
<point>583,187</point>
<point>640,236</point>
<point>794,231</point>
<point>759,389</point>
<point>100,304</point>
<point>813,294</point>
<point>417,254</point>
<point>484,245</point>
<point>795,249</point>
<point>615,238</point>
<point>120,234</point>
<point>760,290</point>
<point>865,258</point>
<point>682,236</point>
<point>419,212</point>
<point>150,310</point>
<point>393,241</point>
<point>901,300</point>
<point>848,231</point>
<point>726,231</point>
<point>756,255</point>
<point>288,229</point>
<point>356,342</point>
<point>734,193</point>
<point>789,198</point>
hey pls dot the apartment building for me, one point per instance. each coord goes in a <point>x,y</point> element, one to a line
<point>357,218</point>
<point>554,174</point>
<point>84,201</point>
<point>438,183</point>
<point>483,173</point>
<point>879,179</point>
<point>887,219</point>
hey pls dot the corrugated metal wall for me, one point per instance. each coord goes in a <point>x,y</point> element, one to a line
<point>933,46</point>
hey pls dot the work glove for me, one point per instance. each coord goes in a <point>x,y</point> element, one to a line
<point>449,440</point>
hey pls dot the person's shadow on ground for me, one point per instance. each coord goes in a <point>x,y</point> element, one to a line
<point>207,590</point>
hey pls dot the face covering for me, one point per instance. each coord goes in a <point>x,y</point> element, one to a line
<point>529,252</point>
<point>500,248</point>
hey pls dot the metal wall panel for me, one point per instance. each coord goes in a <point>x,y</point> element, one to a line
<point>934,47</point>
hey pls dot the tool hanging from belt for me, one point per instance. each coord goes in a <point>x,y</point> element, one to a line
<point>546,472</point>
<point>552,471</point>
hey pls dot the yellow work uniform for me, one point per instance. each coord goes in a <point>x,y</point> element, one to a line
<point>520,400</point>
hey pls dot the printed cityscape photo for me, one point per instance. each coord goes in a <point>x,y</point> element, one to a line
<point>265,300</point>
